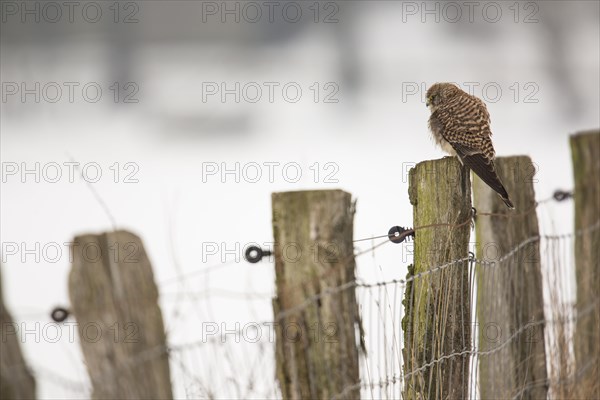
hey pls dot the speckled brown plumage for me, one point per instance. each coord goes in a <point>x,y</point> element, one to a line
<point>460,124</point>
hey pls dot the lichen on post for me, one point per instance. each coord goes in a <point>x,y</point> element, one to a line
<point>437,303</point>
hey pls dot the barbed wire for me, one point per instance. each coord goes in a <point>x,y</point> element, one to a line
<point>471,352</point>
<point>559,195</point>
<point>172,351</point>
<point>330,291</point>
<point>431,270</point>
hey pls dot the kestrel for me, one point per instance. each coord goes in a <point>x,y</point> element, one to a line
<point>460,124</point>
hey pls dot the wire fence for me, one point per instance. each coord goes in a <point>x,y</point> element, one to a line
<point>239,361</point>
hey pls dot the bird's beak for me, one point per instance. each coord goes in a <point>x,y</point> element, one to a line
<point>427,103</point>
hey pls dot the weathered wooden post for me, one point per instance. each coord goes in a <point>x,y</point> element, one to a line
<point>16,381</point>
<point>315,308</point>
<point>585,148</point>
<point>114,299</point>
<point>437,320</point>
<point>510,304</point>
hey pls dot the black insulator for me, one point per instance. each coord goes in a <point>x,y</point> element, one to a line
<point>59,314</point>
<point>398,234</point>
<point>254,254</point>
<point>561,195</point>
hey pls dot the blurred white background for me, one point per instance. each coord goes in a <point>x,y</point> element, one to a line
<point>373,59</point>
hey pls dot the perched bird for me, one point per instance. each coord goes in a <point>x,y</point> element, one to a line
<point>460,124</point>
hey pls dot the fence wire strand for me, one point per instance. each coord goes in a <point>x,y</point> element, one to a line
<point>382,309</point>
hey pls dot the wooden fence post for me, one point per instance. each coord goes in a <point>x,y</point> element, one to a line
<point>114,299</point>
<point>585,148</point>
<point>510,304</point>
<point>316,351</point>
<point>16,381</point>
<point>437,320</point>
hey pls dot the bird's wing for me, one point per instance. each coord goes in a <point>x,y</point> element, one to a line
<point>468,125</point>
<point>470,137</point>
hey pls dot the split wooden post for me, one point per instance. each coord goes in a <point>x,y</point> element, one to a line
<point>315,308</point>
<point>510,304</point>
<point>114,299</point>
<point>437,320</point>
<point>585,149</point>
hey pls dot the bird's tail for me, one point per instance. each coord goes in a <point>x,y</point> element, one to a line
<point>486,170</point>
<point>498,187</point>
<point>507,201</point>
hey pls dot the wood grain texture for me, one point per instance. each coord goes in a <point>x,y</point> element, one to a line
<point>16,381</point>
<point>316,350</point>
<point>114,299</point>
<point>509,293</point>
<point>585,150</point>
<point>437,305</point>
